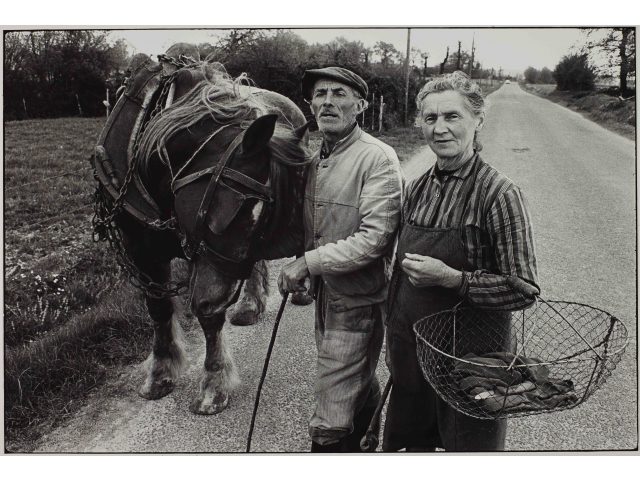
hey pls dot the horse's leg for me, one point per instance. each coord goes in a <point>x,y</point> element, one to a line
<point>253,298</point>
<point>166,359</point>
<point>211,295</point>
<point>220,375</point>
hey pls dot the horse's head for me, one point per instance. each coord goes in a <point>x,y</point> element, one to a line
<point>233,188</point>
<point>222,201</point>
<point>235,176</point>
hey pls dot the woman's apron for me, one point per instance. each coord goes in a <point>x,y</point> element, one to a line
<point>416,416</point>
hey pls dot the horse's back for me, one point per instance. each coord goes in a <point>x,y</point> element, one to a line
<point>287,111</point>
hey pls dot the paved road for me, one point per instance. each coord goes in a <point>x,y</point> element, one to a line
<point>580,182</point>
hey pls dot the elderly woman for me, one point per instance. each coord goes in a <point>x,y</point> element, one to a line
<point>465,236</point>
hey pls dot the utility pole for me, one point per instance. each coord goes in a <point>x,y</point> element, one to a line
<point>373,111</point>
<point>473,53</point>
<point>406,84</point>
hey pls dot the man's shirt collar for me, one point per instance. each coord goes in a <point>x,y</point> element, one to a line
<point>343,143</point>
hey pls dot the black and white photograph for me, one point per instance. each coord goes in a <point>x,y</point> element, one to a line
<point>320,240</point>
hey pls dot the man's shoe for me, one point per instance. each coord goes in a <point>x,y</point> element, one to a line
<point>334,448</point>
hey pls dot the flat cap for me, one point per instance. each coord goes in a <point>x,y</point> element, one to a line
<point>334,73</point>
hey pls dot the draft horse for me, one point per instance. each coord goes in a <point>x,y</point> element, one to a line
<point>194,164</point>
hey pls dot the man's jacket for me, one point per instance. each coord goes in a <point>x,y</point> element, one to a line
<point>351,213</point>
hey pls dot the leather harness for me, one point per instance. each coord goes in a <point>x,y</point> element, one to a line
<point>195,245</point>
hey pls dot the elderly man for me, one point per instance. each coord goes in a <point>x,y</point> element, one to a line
<point>351,212</point>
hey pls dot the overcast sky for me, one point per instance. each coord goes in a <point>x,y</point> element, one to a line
<point>513,49</point>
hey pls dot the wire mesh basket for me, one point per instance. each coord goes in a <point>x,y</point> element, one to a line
<point>493,365</point>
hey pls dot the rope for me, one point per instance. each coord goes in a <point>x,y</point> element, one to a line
<point>265,367</point>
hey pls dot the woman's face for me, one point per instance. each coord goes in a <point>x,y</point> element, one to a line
<point>449,125</point>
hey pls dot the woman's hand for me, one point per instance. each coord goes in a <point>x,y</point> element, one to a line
<point>425,271</point>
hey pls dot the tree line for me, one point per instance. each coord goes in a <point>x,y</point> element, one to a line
<point>58,73</point>
<point>67,73</point>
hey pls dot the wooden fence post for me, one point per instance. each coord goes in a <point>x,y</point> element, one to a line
<point>373,111</point>
<point>79,106</point>
<point>24,104</point>
<point>381,113</point>
<point>107,104</point>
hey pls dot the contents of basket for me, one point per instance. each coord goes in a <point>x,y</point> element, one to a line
<point>502,381</point>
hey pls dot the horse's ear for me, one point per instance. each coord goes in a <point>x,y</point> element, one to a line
<point>310,126</point>
<point>259,132</point>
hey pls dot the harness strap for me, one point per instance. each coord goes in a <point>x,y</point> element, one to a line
<point>174,180</point>
<point>208,194</point>
<point>227,173</point>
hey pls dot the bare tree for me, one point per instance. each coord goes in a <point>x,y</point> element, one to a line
<point>473,54</point>
<point>619,45</point>
<point>425,57</point>
<point>444,62</point>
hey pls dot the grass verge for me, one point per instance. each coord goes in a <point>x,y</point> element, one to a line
<point>49,379</point>
<point>602,106</point>
<point>64,326</point>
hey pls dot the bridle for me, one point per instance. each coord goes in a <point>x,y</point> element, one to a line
<point>194,245</point>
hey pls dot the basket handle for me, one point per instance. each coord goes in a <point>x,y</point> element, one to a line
<point>455,319</point>
<point>524,342</point>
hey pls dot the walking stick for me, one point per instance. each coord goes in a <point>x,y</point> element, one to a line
<point>265,367</point>
<point>370,440</point>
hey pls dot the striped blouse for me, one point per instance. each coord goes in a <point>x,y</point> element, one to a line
<point>497,234</point>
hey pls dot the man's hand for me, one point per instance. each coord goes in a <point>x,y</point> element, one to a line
<point>292,276</point>
<point>425,271</point>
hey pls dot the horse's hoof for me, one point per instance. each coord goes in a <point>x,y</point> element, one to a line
<point>244,318</point>
<point>301,299</point>
<point>156,390</point>
<point>202,406</point>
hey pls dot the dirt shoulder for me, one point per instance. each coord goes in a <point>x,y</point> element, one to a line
<point>607,110</point>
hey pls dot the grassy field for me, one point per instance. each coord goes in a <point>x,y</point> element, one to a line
<point>601,106</point>
<point>53,269</point>
<point>69,314</point>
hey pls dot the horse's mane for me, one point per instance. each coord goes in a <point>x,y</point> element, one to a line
<point>232,101</point>
<point>218,96</point>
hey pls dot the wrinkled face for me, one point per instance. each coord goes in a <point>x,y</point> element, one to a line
<point>335,106</point>
<point>449,125</point>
